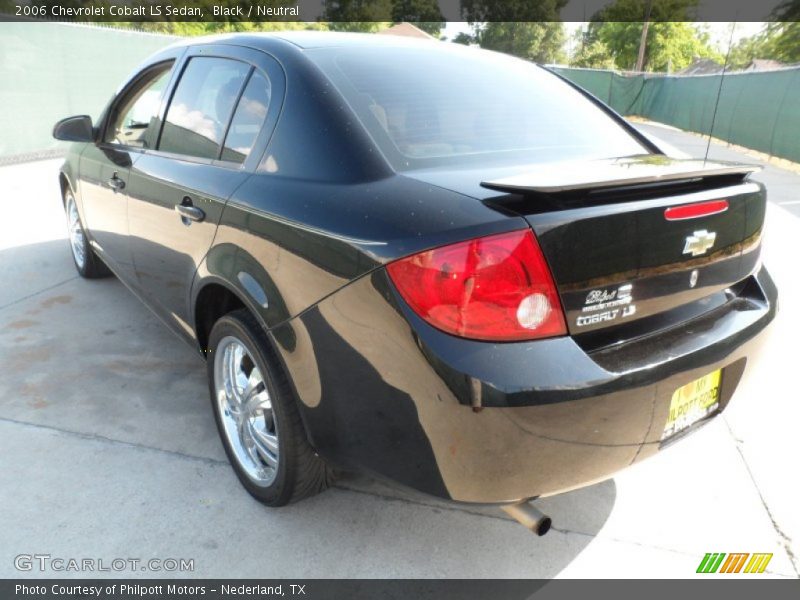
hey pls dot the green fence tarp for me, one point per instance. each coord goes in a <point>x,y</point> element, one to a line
<point>758,110</point>
<point>49,71</point>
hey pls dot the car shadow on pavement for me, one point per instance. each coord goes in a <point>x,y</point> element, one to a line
<point>116,415</point>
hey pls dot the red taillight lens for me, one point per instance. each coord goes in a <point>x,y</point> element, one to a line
<point>495,288</point>
<point>693,211</point>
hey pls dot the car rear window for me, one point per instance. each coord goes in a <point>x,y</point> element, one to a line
<point>452,104</point>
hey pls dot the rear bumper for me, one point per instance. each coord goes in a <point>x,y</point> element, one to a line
<point>383,392</point>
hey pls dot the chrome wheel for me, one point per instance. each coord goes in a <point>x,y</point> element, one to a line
<point>245,409</point>
<point>77,239</point>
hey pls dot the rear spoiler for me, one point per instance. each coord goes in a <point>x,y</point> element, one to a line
<point>615,173</point>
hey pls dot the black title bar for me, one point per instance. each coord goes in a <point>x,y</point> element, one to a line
<point>233,11</point>
<point>402,589</point>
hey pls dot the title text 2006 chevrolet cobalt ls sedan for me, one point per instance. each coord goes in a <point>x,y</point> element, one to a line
<point>442,266</point>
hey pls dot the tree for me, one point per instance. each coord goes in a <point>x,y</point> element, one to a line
<point>367,16</point>
<point>670,45</point>
<point>464,38</point>
<point>635,11</point>
<point>779,40</point>
<point>537,41</point>
<point>591,54</point>
<point>746,49</point>
<point>370,16</point>
<point>672,41</point>
<point>425,14</point>
<point>482,11</point>
<point>530,29</point>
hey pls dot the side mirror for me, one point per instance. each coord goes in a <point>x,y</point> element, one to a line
<point>74,129</point>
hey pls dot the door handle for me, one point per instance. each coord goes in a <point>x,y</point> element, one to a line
<point>189,212</point>
<point>115,183</point>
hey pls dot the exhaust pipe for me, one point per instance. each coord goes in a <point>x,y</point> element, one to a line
<point>528,515</point>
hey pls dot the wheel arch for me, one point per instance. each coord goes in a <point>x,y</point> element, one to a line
<point>213,300</point>
<point>214,297</point>
<point>64,184</point>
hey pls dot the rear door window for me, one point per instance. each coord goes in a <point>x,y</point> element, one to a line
<point>248,119</point>
<point>201,106</point>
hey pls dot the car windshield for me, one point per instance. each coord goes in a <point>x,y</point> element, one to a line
<point>455,104</point>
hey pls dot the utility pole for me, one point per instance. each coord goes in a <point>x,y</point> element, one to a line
<point>643,41</point>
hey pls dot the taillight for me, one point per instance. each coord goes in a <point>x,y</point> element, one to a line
<point>693,211</point>
<point>496,288</point>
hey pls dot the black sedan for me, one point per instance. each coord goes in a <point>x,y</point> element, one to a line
<point>442,266</point>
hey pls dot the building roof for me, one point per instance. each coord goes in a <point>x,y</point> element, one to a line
<point>701,66</point>
<point>406,30</point>
<point>764,64</point>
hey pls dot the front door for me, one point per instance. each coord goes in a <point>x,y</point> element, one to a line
<point>178,192</point>
<point>105,166</point>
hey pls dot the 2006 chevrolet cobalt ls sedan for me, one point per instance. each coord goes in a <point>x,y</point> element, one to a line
<point>438,265</point>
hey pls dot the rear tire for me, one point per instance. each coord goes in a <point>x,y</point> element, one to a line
<point>256,415</point>
<point>87,263</point>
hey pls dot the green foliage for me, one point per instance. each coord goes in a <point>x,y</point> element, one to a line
<point>593,54</point>
<point>787,11</point>
<point>364,16</point>
<point>529,29</point>
<point>779,40</point>
<point>369,16</point>
<point>358,26</point>
<point>464,38</point>
<point>481,11</point>
<point>748,48</point>
<point>673,42</point>
<point>537,41</point>
<point>672,46</point>
<point>425,14</point>
<point>785,45</point>
<point>636,11</point>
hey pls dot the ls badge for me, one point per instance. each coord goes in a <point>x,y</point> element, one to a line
<point>699,242</point>
<point>607,305</point>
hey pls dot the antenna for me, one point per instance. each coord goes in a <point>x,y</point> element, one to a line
<point>719,92</point>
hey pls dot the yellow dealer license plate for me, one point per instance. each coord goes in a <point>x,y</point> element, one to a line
<point>693,402</point>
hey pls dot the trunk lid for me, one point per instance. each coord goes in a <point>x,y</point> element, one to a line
<point>621,240</point>
<point>619,263</point>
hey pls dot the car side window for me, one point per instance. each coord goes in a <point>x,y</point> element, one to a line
<point>137,114</point>
<point>201,106</point>
<point>248,119</point>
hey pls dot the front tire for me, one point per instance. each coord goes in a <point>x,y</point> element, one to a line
<point>87,263</point>
<point>256,415</point>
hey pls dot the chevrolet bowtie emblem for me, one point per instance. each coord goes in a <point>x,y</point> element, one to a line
<point>699,242</point>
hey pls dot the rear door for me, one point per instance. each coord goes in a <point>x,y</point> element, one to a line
<point>210,141</point>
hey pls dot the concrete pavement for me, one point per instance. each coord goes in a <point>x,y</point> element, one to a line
<point>108,449</point>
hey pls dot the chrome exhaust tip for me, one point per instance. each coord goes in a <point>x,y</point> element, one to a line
<point>529,516</point>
